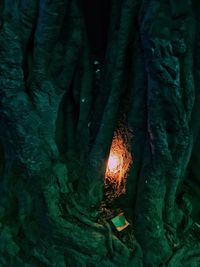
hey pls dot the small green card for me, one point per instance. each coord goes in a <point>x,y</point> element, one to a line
<point>120,222</point>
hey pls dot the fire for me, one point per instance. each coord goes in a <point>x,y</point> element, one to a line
<point>117,166</point>
<point>114,163</point>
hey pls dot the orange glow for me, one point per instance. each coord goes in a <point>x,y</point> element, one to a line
<point>114,163</point>
<point>117,167</point>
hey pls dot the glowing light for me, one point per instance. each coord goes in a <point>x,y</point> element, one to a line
<point>114,163</point>
<point>117,166</point>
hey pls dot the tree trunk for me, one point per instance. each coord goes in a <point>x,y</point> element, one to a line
<point>70,80</point>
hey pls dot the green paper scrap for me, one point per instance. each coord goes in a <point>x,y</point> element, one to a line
<point>119,220</point>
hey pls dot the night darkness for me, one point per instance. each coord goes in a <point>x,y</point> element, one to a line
<point>99,133</point>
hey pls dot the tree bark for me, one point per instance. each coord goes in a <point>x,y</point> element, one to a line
<point>62,100</point>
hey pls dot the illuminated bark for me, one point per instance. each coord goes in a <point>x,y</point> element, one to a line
<point>62,98</point>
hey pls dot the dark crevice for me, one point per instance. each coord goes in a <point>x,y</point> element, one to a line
<point>97,18</point>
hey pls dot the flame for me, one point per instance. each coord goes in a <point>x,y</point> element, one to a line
<point>117,166</point>
<point>114,163</point>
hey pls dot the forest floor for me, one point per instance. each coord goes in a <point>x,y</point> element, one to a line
<point>110,208</point>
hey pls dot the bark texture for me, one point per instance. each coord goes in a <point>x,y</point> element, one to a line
<point>63,94</point>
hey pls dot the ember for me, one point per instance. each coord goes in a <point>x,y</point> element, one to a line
<point>118,164</point>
